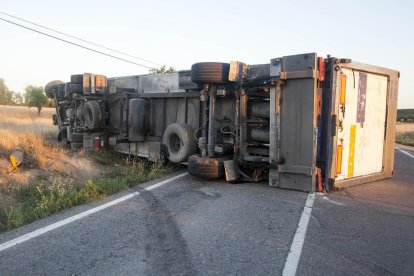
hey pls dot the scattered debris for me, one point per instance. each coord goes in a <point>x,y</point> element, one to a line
<point>16,159</point>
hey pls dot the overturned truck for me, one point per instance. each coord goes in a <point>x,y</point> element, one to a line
<point>301,122</point>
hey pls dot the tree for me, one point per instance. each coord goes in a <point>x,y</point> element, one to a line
<point>35,97</point>
<point>5,93</point>
<point>162,70</point>
<point>17,98</point>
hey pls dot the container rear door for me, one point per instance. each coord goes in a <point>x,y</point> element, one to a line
<point>361,123</point>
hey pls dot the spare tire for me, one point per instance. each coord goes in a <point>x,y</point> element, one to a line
<point>206,167</point>
<point>51,88</point>
<point>210,72</point>
<point>179,141</point>
<point>80,113</point>
<point>78,79</point>
<point>93,115</point>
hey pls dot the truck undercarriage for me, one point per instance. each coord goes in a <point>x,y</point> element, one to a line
<point>284,121</point>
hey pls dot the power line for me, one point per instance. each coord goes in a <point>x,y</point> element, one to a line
<point>75,44</point>
<point>80,39</point>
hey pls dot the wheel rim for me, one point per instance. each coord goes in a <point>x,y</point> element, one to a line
<point>175,143</point>
<point>89,115</point>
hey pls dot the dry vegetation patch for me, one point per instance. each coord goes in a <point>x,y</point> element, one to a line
<point>53,178</point>
<point>405,134</point>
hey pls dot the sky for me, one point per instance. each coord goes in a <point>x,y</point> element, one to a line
<point>179,33</point>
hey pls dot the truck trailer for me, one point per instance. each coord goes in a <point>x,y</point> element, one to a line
<point>300,122</point>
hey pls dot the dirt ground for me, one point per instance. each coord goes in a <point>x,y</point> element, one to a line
<point>404,127</point>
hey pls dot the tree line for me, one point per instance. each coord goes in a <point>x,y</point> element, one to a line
<point>34,96</point>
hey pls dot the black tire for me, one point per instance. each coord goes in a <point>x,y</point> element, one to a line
<point>76,146</point>
<point>61,90</point>
<point>179,141</point>
<point>210,72</point>
<point>206,167</point>
<point>77,137</point>
<point>78,79</point>
<point>76,88</point>
<point>93,115</point>
<point>51,88</point>
<point>80,113</point>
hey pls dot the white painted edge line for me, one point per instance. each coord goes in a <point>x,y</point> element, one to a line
<point>295,251</point>
<point>68,220</point>
<point>405,152</point>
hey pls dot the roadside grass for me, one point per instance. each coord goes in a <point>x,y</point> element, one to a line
<point>51,178</point>
<point>50,194</point>
<point>404,134</point>
<point>405,138</point>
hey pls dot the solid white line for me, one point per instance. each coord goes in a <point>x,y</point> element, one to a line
<point>406,152</point>
<point>295,251</point>
<point>68,220</point>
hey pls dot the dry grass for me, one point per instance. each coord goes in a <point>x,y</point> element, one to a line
<point>53,178</point>
<point>21,127</point>
<point>405,134</point>
<point>404,127</point>
<point>25,112</point>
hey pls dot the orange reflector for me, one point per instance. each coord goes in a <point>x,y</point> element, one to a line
<point>343,90</point>
<point>339,159</point>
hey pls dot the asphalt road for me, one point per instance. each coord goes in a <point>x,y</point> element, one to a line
<point>195,227</point>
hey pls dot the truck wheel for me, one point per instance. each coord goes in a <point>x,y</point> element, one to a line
<point>206,167</point>
<point>76,146</point>
<point>61,90</point>
<point>179,141</point>
<point>210,72</point>
<point>51,88</point>
<point>80,113</point>
<point>78,79</point>
<point>93,115</point>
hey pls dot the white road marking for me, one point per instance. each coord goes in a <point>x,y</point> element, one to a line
<point>68,220</point>
<point>295,251</point>
<point>405,152</point>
